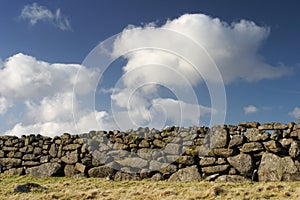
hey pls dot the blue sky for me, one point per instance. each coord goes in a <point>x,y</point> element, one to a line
<point>43,45</point>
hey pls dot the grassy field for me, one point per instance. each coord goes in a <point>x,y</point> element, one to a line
<point>95,188</point>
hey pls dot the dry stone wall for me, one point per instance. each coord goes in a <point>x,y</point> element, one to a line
<point>249,151</point>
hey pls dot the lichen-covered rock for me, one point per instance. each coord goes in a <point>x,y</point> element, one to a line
<point>223,152</point>
<point>9,163</point>
<point>45,170</point>
<point>70,157</point>
<point>186,174</point>
<point>294,150</point>
<point>101,172</point>
<point>207,161</point>
<point>15,171</point>
<point>219,137</point>
<point>274,146</point>
<point>186,160</point>
<point>249,124</point>
<point>134,162</point>
<point>275,168</point>
<point>242,162</point>
<point>236,140</point>
<point>254,135</point>
<point>125,176</point>
<point>252,147</point>
<point>214,169</point>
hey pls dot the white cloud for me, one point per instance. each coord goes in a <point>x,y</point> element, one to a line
<point>250,109</point>
<point>23,77</point>
<point>4,105</point>
<point>295,113</point>
<point>34,13</point>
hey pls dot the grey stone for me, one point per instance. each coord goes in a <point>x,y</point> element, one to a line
<point>101,172</point>
<point>294,150</point>
<point>125,176</point>
<point>295,134</point>
<point>275,168</point>
<point>242,162</point>
<point>267,126</point>
<point>186,160</point>
<point>207,161</point>
<point>232,178</point>
<point>1,154</point>
<point>15,171</point>
<point>44,170</point>
<point>168,169</point>
<point>29,157</point>
<point>134,162</point>
<point>252,147</point>
<point>214,169</point>
<point>70,157</point>
<point>223,152</point>
<point>53,151</point>
<point>254,135</point>
<point>186,174</point>
<point>235,141</point>
<point>10,162</point>
<point>219,137</point>
<point>249,124</point>
<point>71,147</point>
<point>280,126</point>
<point>173,149</point>
<point>27,187</point>
<point>80,167</point>
<point>286,142</point>
<point>157,177</point>
<point>274,146</point>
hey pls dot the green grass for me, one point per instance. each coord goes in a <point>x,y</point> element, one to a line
<point>96,188</point>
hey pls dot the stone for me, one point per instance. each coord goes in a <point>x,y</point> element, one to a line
<point>44,159</point>
<point>134,162</point>
<point>101,172</point>
<point>13,154</point>
<point>286,142</point>
<point>70,157</point>
<point>242,162</point>
<point>2,154</point>
<point>29,157</point>
<point>125,176</point>
<point>254,135</point>
<point>275,168</point>
<point>221,161</point>
<point>236,140</point>
<point>207,161</point>
<point>294,150</point>
<point>157,177</point>
<point>274,146</point>
<point>45,170</point>
<point>232,178</point>
<point>280,126</point>
<point>80,167</point>
<point>267,126</point>
<point>71,147</point>
<point>30,163</point>
<point>219,137</point>
<point>69,171</point>
<point>214,169</point>
<point>173,149</point>
<point>223,152</point>
<point>159,143</point>
<point>53,151</point>
<point>168,169</point>
<point>10,162</point>
<point>15,171</point>
<point>252,147</point>
<point>276,135</point>
<point>145,153</point>
<point>186,174</point>
<point>144,144</point>
<point>186,160</point>
<point>249,124</point>
<point>295,134</point>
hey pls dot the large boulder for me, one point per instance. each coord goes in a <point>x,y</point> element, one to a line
<point>275,168</point>
<point>242,162</point>
<point>9,163</point>
<point>186,174</point>
<point>45,170</point>
<point>70,157</point>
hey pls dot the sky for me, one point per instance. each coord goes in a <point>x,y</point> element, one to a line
<point>75,66</point>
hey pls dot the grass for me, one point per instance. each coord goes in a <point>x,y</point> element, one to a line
<point>96,188</point>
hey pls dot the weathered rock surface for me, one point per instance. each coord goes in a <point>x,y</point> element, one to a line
<point>232,178</point>
<point>242,162</point>
<point>45,170</point>
<point>186,174</point>
<point>101,172</point>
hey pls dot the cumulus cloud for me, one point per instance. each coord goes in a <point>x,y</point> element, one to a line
<point>35,13</point>
<point>295,113</point>
<point>250,109</point>
<point>24,77</point>
<point>4,105</point>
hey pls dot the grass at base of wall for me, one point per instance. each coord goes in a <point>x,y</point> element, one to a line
<point>96,188</point>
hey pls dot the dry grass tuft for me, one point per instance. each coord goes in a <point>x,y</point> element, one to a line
<point>95,188</point>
